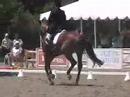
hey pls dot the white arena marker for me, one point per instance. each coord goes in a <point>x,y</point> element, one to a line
<point>20,73</point>
<point>54,72</point>
<point>127,76</point>
<point>90,76</point>
<point>13,64</point>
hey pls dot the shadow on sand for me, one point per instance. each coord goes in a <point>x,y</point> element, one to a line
<point>72,84</point>
<point>7,74</point>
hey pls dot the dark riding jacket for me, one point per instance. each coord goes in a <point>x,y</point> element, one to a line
<point>56,20</point>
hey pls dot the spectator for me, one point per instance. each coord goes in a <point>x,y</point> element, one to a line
<point>15,55</point>
<point>117,40</point>
<point>6,44</point>
<point>17,39</point>
<point>17,49</point>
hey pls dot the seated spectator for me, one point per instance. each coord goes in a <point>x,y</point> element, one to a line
<point>6,45</point>
<point>17,49</point>
<point>17,39</point>
<point>16,55</point>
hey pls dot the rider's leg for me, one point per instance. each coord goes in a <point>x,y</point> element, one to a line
<point>48,37</point>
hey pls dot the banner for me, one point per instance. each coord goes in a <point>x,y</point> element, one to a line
<point>112,58</point>
<point>126,55</point>
<point>59,61</point>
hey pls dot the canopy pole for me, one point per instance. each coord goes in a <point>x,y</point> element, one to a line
<point>95,36</point>
<point>81,25</point>
<point>119,25</point>
<point>119,30</point>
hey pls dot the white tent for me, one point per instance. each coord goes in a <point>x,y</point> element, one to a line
<point>105,8</point>
<point>95,9</point>
<point>71,10</point>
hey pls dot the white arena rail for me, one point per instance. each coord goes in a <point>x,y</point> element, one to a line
<point>64,72</point>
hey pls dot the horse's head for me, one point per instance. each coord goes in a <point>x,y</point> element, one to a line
<point>44,29</point>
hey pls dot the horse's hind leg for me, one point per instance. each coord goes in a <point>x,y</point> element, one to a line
<point>73,63</point>
<point>79,56</point>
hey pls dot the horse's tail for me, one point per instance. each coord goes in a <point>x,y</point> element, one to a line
<point>92,54</point>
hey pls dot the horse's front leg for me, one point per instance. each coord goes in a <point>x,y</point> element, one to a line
<point>48,69</point>
<point>73,63</point>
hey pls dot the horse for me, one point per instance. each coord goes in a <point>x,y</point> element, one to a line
<point>69,42</point>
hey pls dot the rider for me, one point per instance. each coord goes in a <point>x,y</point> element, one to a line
<point>56,21</point>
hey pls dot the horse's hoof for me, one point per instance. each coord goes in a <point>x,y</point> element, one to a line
<point>76,83</point>
<point>69,77</point>
<point>53,76</point>
<point>100,63</point>
<point>52,83</point>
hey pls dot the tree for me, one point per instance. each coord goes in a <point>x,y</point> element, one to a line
<point>22,16</point>
<point>8,9</point>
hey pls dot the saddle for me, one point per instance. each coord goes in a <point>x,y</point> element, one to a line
<point>51,41</point>
<point>53,38</point>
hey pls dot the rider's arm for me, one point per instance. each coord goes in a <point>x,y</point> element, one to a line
<point>21,42</point>
<point>10,44</point>
<point>51,17</point>
<point>64,16</point>
<point>3,43</point>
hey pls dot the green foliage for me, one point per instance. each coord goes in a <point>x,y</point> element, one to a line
<point>15,19</point>
<point>8,8</point>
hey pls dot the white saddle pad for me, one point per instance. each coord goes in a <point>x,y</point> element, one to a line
<point>57,36</point>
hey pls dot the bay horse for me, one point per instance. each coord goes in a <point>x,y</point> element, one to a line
<point>69,42</point>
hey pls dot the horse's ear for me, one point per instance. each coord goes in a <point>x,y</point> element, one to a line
<point>44,27</point>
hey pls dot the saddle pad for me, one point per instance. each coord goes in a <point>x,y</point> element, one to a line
<point>57,36</point>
